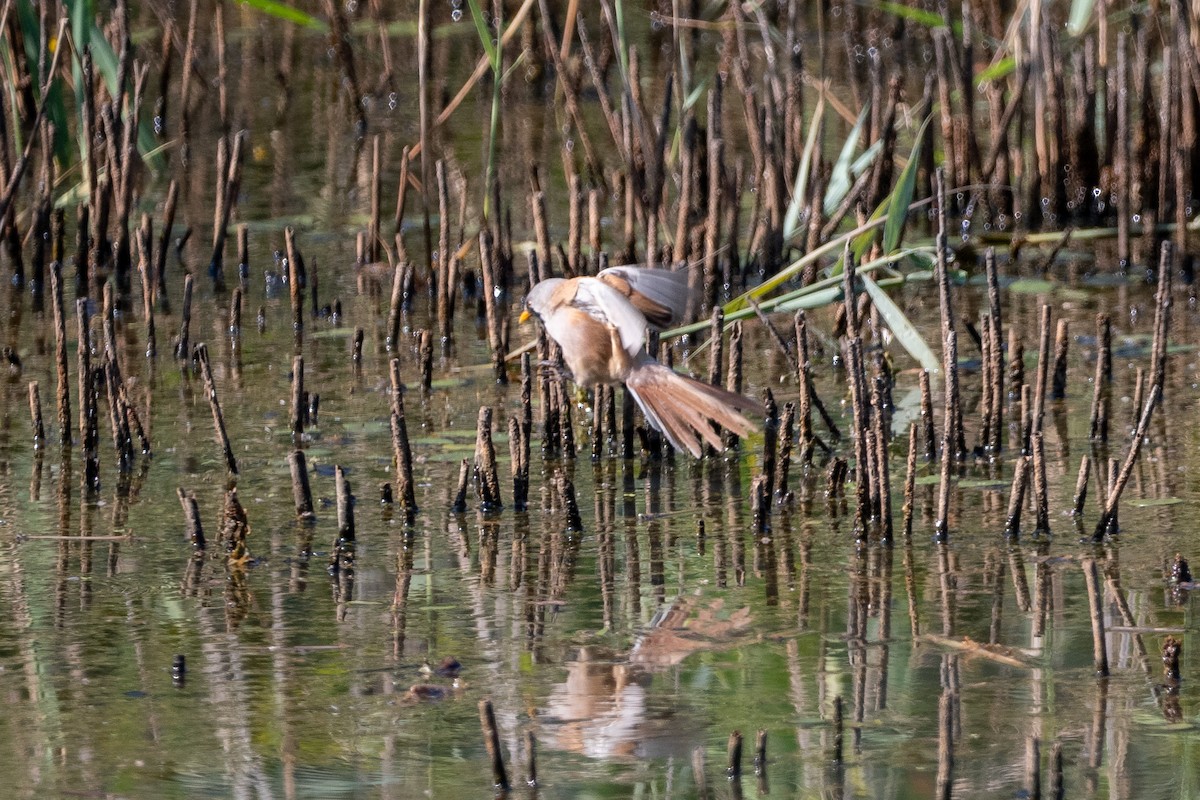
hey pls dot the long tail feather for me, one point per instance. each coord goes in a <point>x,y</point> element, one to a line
<point>683,409</point>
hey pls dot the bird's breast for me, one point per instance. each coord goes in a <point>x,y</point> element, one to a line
<point>587,347</point>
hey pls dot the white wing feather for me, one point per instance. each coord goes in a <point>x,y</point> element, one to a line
<point>668,288</point>
<point>610,306</point>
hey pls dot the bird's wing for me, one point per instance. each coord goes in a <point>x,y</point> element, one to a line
<point>610,306</point>
<point>660,294</point>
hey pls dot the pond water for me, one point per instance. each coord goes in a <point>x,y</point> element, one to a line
<point>625,648</point>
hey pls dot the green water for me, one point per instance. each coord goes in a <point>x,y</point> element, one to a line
<point>623,648</point>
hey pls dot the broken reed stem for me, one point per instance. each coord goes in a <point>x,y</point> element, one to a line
<point>191,516</point>
<point>1061,344</point>
<point>883,484</point>
<point>910,482</point>
<point>1016,498</point>
<point>1081,485</point>
<point>927,422</point>
<point>492,315</point>
<point>733,752</point>
<point>487,479</point>
<point>145,242</point>
<point>88,433</point>
<point>182,347</point>
<point>804,384</point>
<point>1114,469</point>
<point>425,358</point>
<point>1043,369</point>
<point>770,438</point>
<point>164,246</point>
<point>63,394</point>
<point>395,307</point>
<point>942,524</point>
<point>459,506</point>
<point>1135,447</point>
<point>996,369</point>
<point>295,281</point>
<point>491,740</point>
<point>786,435</point>
<point>1041,485</point>
<point>299,398</point>
<point>210,390</point>
<point>345,506</point>
<point>518,451</point>
<point>401,451</point>
<point>301,492</point>
<point>1162,316</point>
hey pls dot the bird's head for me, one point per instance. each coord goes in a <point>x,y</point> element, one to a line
<point>539,301</point>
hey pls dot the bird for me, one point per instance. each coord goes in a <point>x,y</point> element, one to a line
<point>601,325</point>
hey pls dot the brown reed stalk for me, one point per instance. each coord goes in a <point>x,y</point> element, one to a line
<point>1135,448</point>
<point>942,524</point>
<point>63,384</point>
<point>182,346</point>
<point>301,491</point>
<point>1081,486</point>
<point>164,241</point>
<point>35,414</point>
<point>345,506</point>
<point>1062,343</point>
<point>295,283</point>
<point>491,738</point>
<point>299,398</point>
<point>1016,498</point>
<point>210,390</point>
<point>145,242</point>
<point>910,482</point>
<point>401,450</point>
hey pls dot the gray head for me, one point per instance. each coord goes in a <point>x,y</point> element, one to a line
<point>538,300</point>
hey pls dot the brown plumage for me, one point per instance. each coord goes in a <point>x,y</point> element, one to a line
<point>600,323</point>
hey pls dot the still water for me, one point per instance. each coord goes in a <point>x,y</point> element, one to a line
<point>624,648</point>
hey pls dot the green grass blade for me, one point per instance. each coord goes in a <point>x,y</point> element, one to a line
<point>287,13</point>
<point>1001,69</point>
<point>696,93</point>
<point>839,179</point>
<point>485,36</point>
<point>800,189</point>
<point>902,194</point>
<point>901,328</point>
<point>929,19</point>
<point>1080,16</point>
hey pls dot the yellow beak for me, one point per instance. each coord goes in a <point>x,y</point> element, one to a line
<point>525,315</point>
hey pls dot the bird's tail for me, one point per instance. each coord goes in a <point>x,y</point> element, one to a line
<point>682,409</point>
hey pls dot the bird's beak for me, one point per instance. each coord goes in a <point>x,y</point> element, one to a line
<point>525,315</point>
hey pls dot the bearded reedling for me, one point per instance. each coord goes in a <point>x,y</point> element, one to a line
<point>600,323</point>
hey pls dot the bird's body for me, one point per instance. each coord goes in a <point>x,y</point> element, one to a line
<point>601,323</point>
